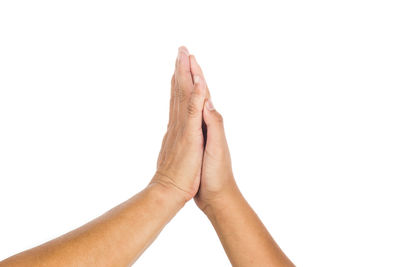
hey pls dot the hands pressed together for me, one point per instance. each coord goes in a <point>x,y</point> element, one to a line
<point>194,157</point>
<point>194,162</point>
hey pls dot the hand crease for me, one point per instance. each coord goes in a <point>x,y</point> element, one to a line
<point>170,181</point>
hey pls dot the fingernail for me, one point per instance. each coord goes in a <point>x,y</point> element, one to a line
<point>196,79</point>
<point>209,105</point>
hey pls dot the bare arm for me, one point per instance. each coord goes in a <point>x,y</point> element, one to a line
<point>242,234</point>
<point>244,237</point>
<point>119,237</point>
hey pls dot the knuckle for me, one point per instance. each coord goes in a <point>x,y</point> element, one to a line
<point>197,92</point>
<point>219,118</point>
<point>193,107</point>
<point>192,110</point>
<point>179,94</point>
<point>182,98</point>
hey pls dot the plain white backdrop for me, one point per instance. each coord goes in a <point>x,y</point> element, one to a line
<point>310,94</point>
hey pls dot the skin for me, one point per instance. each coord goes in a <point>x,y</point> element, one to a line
<point>194,162</point>
<point>244,237</point>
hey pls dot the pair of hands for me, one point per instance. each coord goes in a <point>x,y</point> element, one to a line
<point>194,159</point>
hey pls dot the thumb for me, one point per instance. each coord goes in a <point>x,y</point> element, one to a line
<point>215,125</point>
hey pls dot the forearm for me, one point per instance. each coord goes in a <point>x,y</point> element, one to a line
<point>243,236</point>
<point>117,238</point>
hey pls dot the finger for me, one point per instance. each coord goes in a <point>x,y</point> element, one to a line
<point>172,108</point>
<point>196,104</point>
<point>184,82</point>
<point>215,127</point>
<point>195,69</point>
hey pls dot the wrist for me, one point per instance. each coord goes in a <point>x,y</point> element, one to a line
<point>224,200</point>
<point>167,190</point>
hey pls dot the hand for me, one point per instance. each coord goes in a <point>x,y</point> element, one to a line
<point>180,159</point>
<point>217,180</point>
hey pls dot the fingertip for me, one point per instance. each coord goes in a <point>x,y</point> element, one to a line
<point>207,114</point>
<point>182,70</point>
<point>193,60</point>
<point>194,66</point>
<point>183,55</point>
<point>210,105</point>
<point>210,114</point>
<point>184,50</point>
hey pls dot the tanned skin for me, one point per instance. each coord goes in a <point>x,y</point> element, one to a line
<point>194,162</point>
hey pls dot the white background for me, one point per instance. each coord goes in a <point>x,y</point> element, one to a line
<point>310,95</point>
